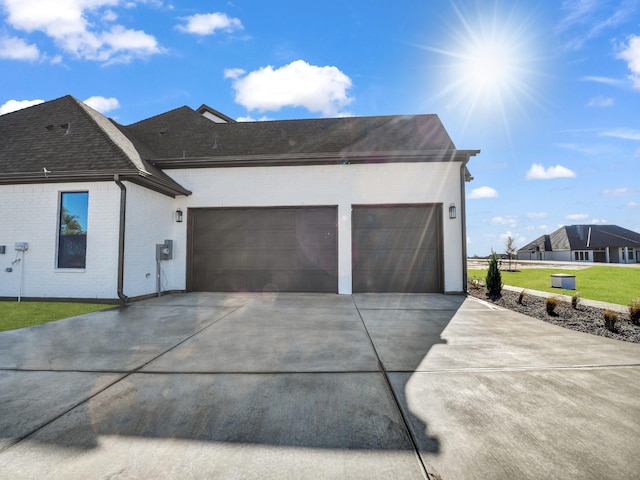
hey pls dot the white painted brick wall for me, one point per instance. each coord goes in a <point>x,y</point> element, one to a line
<point>33,218</point>
<point>150,220</point>
<point>342,185</point>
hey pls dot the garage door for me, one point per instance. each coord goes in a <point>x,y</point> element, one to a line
<point>263,249</point>
<point>397,248</point>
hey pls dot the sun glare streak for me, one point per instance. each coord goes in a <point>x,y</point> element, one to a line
<point>488,69</point>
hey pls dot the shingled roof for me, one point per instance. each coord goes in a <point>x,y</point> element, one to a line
<point>73,143</point>
<point>182,138</point>
<point>585,237</point>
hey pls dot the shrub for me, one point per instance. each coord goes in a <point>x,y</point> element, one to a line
<point>493,280</point>
<point>610,318</point>
<point>550,305</point>
<point>521,297</point>
<point>575,300</point>
<point>634,311</point>
<point>475,282</point>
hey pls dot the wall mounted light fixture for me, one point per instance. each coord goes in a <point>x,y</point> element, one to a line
<point>179,216</point>
<point>452,211</point>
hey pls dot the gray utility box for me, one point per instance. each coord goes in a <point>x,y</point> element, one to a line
<point>563,280</point>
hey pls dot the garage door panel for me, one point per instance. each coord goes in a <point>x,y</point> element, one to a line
<point>411,238</point>
<point>397,260</point>
<point>256,249</point>
<point>397,248</point>
<point>261,280</point>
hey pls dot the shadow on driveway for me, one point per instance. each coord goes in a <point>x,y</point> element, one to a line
<point>242,385</point>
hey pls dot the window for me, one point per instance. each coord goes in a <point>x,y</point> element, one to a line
<point>581,256</point>
<point>72,230</point>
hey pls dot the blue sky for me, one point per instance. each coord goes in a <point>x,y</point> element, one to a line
<point>548,90</point>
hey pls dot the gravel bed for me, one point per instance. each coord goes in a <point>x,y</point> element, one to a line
<point>583,319</point>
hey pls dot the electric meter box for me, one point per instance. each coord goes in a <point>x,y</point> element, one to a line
<point>21,246</point>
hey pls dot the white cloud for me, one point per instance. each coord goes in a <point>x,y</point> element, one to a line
<point>624,133</point>
<point>249,118</point>
<point>596,221</point>
<point>613,82</point>
<point>13,105</point>
<point>103,104</point>
<point>633,204</point>
<point>619,192</point>
<point>537,215</point>
<point>483,192</point>
<point>631,54</point>
<point>600,102</point>
<point>13,48</point>
<point>233,72</point>
<point>109,16</point>
<point>510,220</point>
<point>208,23</point>
<point>577,216</point>
<point>538,172</point>
<point>588,19</point>
<point>72,24</point>
<point>298,84</point>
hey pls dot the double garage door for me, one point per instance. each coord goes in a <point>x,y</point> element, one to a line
<point>295,249</point>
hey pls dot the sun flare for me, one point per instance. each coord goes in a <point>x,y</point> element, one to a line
<point>488,68</point>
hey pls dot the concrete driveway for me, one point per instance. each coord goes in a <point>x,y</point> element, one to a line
<point>316,386</point>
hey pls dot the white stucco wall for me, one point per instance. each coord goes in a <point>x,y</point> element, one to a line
<point>341,185</point>
<point>32,216</point>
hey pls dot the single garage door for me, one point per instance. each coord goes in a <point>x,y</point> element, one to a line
<point>263,249</point>
<point>397,248</point>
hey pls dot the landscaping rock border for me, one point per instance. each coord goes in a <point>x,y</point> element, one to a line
<point>583,318</point>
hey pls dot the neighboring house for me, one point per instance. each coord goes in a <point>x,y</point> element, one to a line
<point>341,205</point>
<point>585,243</point>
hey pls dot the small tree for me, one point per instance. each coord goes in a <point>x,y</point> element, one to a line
<point>493,280</point>
<point>511,250</point>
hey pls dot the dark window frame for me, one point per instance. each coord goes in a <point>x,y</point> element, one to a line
<point>72,244</point>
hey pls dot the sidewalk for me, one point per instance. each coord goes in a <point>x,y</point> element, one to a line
<point>567,298</point>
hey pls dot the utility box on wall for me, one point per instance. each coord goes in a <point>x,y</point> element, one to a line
<point>164,251</point>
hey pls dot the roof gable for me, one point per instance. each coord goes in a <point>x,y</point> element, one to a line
<point>72,142</point>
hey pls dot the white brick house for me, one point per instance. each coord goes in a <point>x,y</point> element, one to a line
<point>327,205</point>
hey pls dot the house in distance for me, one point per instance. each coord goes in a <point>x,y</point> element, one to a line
<point>585,243</point>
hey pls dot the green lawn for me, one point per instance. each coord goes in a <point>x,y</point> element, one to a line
<point>607,284</point>
<point>26,314</point>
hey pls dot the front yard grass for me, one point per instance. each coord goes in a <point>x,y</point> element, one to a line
<point>606,284</point>
<point>15,315</point>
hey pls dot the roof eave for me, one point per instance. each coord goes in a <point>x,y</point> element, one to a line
<point>301,159</point>
<point>134,176</point>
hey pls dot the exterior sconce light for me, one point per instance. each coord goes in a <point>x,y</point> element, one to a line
<point>452,211</point>
<point>179,216</point>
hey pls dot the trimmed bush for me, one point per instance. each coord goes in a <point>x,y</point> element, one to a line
<point>550,304</point>
<point>521,297</point>
<point>493,280</point>
<point>575,300</point>
<point>634,311</point>
<point>610,318</point>
<point>475,282</point>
